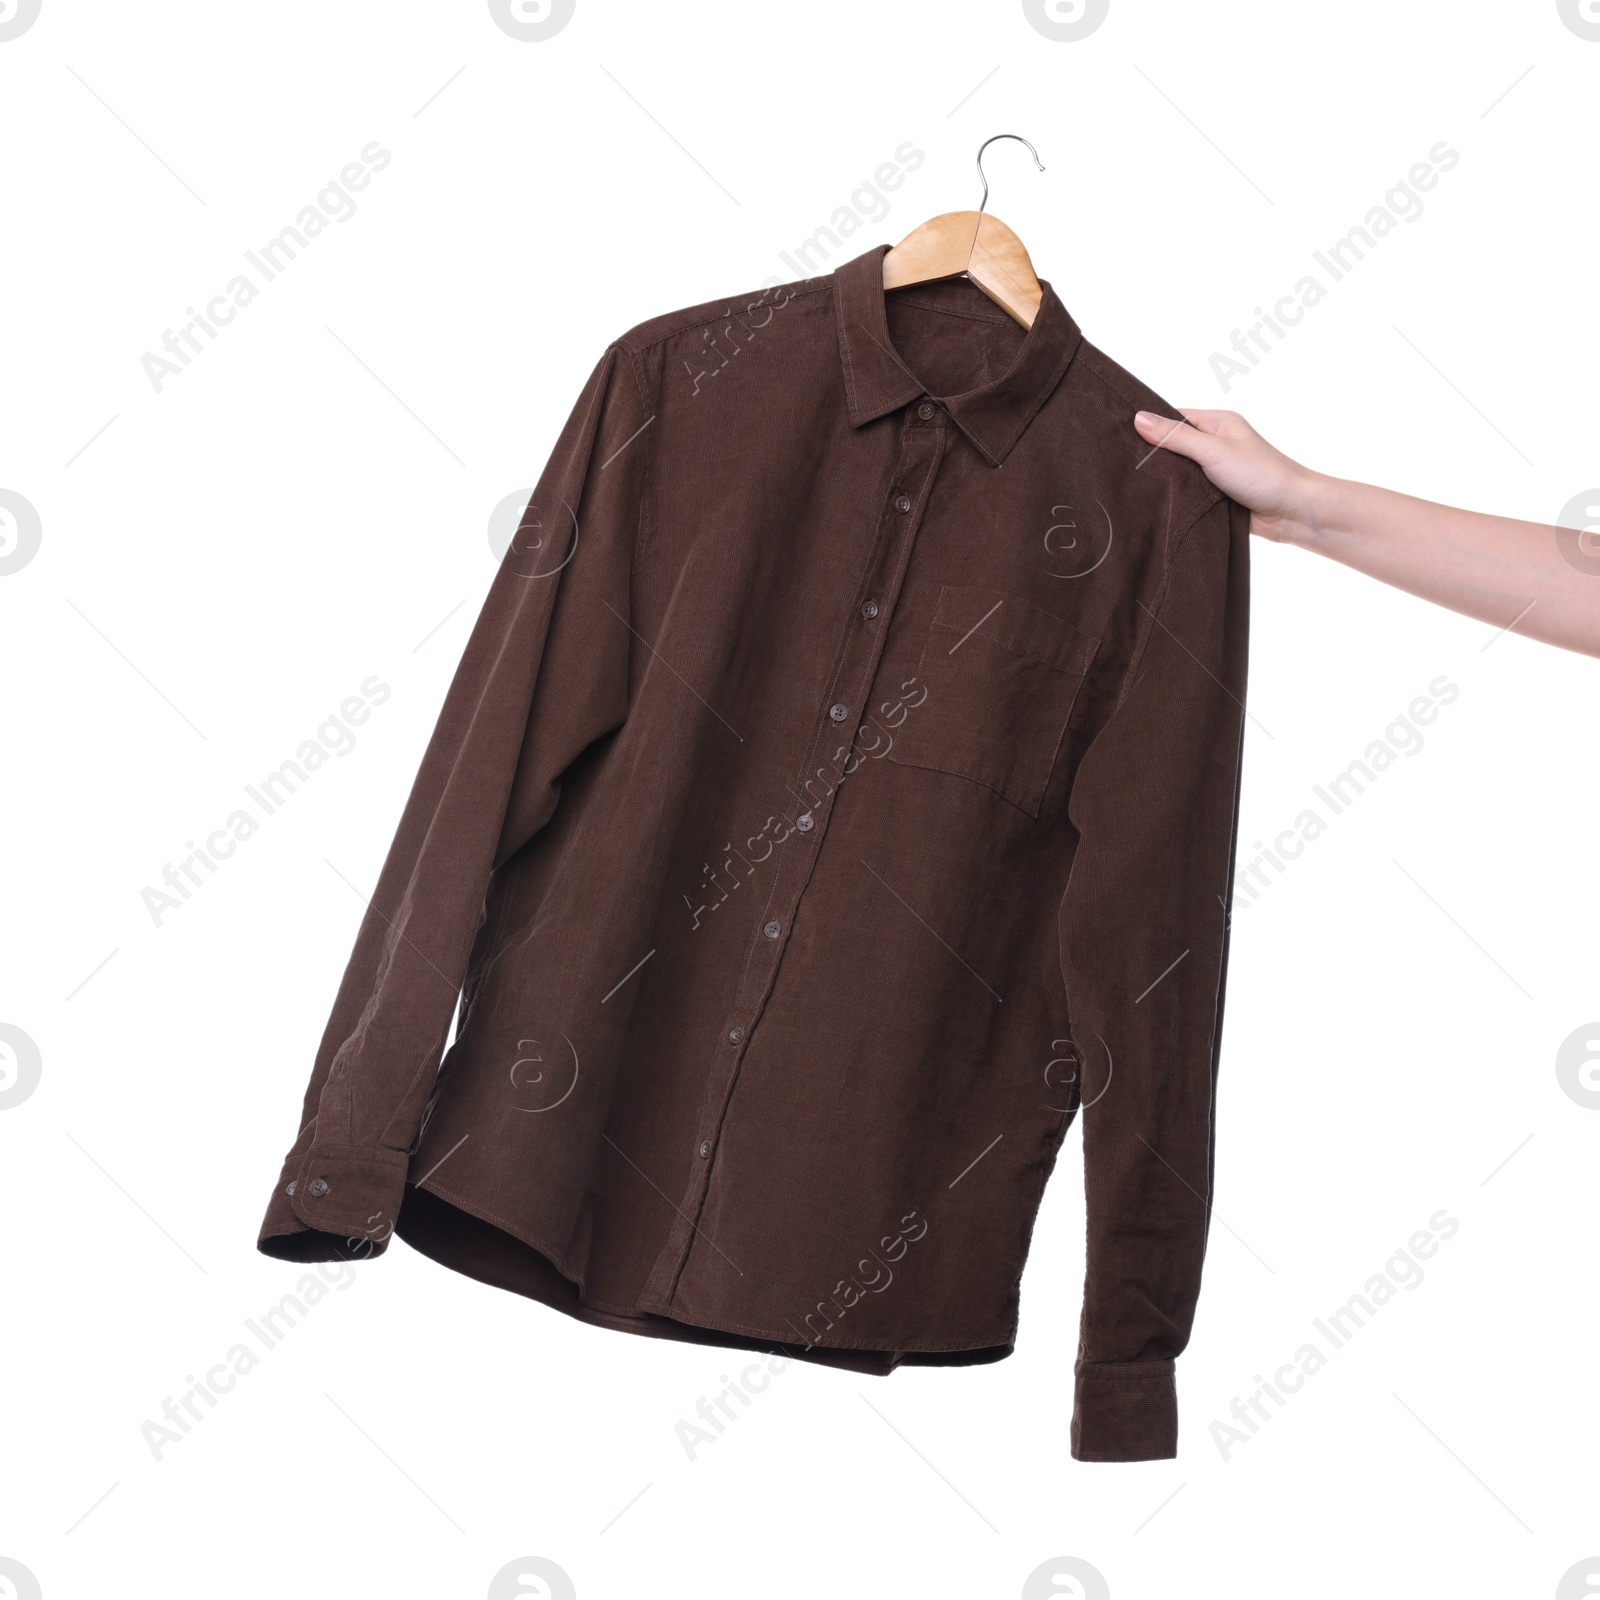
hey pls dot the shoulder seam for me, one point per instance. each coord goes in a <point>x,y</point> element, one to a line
<point>822,287</point>
<point>633,367</point>
<point>648,468</point>
<point>1094,350</point>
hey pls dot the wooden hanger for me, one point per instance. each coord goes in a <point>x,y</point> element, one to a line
<point>974,243</point>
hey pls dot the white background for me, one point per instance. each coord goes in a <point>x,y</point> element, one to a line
<point>225,561</point>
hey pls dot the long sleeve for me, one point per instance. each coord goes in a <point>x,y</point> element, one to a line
<point>1144,938</point>
<point>545,672</point>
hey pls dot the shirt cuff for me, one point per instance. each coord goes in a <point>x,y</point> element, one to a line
<point>1125,1411</point>
<point>334,1203</point>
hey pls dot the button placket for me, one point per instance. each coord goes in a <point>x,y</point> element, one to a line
<point>919,454</point>
<point>917,462</point>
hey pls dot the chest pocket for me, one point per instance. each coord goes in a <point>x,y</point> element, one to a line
<point>1002,677</point>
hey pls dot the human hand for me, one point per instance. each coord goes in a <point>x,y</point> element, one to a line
<point>1509,573</point>
<point>1279,492</point>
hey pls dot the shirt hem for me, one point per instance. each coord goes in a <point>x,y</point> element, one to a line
<point>698,1328</point>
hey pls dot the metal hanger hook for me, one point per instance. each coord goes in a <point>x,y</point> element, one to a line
<point>985,145</point>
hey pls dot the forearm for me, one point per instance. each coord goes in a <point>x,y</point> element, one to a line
<point>1499,570</point>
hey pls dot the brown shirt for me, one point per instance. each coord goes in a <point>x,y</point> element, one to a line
<point>837,793</point>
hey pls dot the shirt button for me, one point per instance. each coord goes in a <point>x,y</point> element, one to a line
<point>318,1188</point>
<point>773,929</point>
<point>838,713</point>
<point>705,1148</point>
<point>902,502</point>
<point>805,822</point>
<point>925,410</point>
<point>735,1035</point>
<point>870,609</point>
<point>290,1189</point>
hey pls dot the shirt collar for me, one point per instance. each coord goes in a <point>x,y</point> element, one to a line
<point>876,380</point>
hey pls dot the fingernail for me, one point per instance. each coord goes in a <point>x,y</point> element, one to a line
<point>1145,418</point>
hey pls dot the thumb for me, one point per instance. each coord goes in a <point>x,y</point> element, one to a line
<point>1191,438</point>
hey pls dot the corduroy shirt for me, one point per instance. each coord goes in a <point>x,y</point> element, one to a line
<point>835,800</point>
